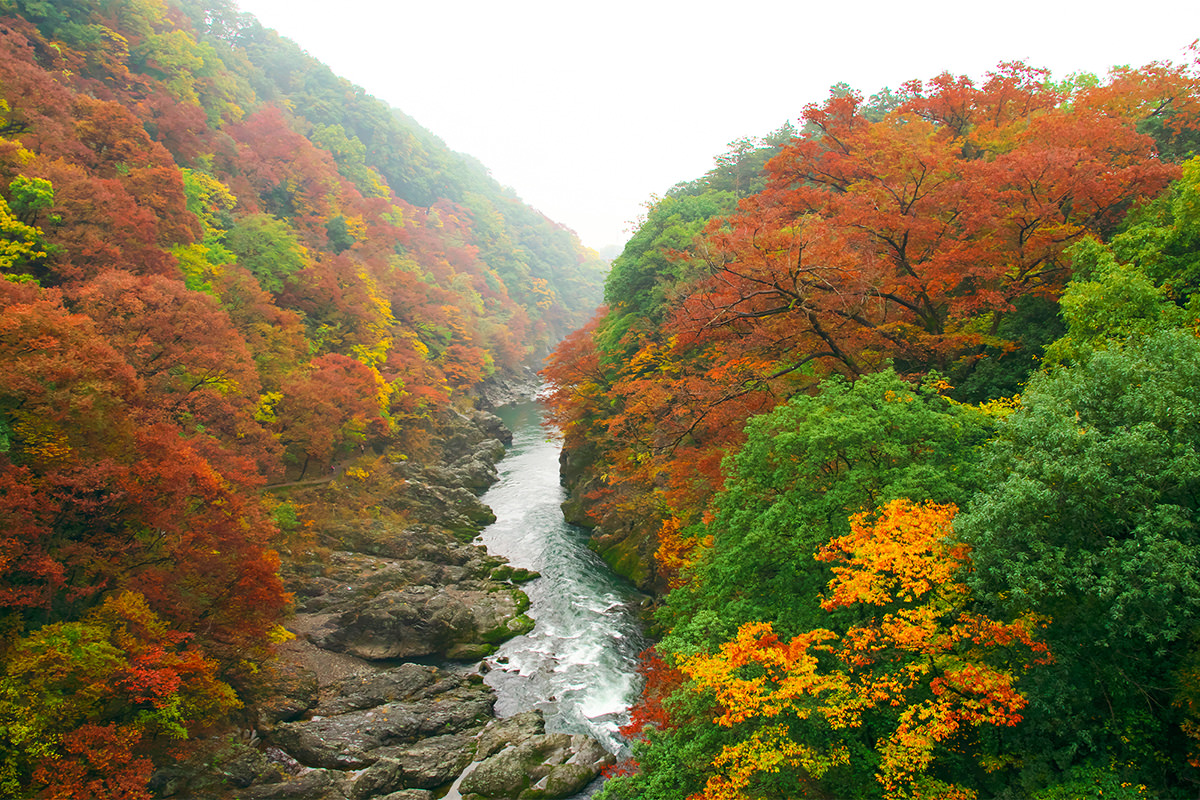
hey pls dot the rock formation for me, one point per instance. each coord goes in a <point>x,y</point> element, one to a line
<point>349,716</point>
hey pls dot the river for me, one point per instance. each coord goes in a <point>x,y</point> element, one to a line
<point>578,663</point>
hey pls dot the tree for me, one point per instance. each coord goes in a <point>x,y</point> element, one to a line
<point>268,248</point>
<point>194,365</point>
<point>83,703</point>
<point>805,468</point>
<point>331,404</point>
<point>103,494</point>
<point>920,667</point>
<point>1091,519</point>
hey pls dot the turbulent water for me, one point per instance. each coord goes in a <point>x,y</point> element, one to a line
<point>577,664</point>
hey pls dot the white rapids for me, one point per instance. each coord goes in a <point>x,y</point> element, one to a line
<point>578,663</point>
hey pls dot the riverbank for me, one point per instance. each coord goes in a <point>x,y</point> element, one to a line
<point>380,693</point>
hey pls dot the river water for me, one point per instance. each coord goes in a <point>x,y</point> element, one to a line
<point>578,663</point>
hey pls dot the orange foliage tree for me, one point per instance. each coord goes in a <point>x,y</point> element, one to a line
<point>921,665</point>
<point>910,237</point>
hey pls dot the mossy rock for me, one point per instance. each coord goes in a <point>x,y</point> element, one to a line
<point>624,558</point>
<point>522,575</point>
<point>513,574</point>
<point>521,599</point>
<point>568,779</point>
<point>470,651</point>
<point>516,626</point>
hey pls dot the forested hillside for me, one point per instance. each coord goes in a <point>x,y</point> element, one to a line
<point>898,411</point>
<point>223,267</point>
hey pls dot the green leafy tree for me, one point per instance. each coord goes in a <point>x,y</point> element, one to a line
<point>653,259</point>
<point>805,469</point>
<point>1092,519</point>
<point>267,247</point>
<point>30,197</point>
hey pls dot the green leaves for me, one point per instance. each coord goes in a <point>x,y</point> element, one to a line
<point>806,468</point>
<point>1094,521</point>
<point>268,248</point>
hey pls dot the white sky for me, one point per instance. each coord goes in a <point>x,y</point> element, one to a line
<point>586,109</point>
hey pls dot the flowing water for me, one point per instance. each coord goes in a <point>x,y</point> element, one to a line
<point>578,663</point>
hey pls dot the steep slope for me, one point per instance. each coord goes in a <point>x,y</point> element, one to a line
<point>223,267</point>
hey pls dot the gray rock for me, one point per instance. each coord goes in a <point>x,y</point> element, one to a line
<point>432,762</point>
<point>451,507</point>
<point>246,766</point>
<point>565,780</point>
<point>506,774</point>
<point>409,794</point>
<point>368,691</point>
<point>347,741</point>
<point>295,692</point>
<point>314,784</point>
<point>519,728</point>
<point>511,387</point>
<point>380,778</point>
<point>420,621</point>
<point>548,766</point>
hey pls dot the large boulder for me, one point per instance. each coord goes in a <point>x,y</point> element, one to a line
<point>350,741</point>
<point>294,692</point>
<point>514,730</point>
<point>313,784</point>
<point>432,762</point>
<point>388,686</point>
<point>542,767</point>
<point>419,621</point>
<point>451,507</point>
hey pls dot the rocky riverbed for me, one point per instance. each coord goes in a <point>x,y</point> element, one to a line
<point>380,692</point>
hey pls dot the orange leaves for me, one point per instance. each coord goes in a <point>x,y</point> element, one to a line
<point>900,557</point>
<point>922,666</point>
<point>675,554</point>
<point>782,674</point>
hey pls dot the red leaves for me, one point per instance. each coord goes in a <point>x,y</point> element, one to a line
<point>661,681</point>
<point>332,404</point>
<point>83,703</point>
<point>906,238</point>
<point>104,490</point>
<point>102,764</point>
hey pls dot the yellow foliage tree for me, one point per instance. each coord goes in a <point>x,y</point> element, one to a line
<point>924,661</point>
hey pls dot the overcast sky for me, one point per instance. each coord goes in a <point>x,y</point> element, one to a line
<point>587,108</point>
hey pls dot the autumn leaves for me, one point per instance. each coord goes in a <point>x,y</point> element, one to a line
<point>793,400</point>
<point>920,651</point>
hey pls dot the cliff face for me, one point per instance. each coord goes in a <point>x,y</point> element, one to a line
<point>626,543</point>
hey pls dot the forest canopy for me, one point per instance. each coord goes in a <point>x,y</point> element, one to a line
<point>221,267</point>
<point>896,412</point>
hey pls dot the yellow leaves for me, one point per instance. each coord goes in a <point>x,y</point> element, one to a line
<point>39,439</point>
<point>19,243</point>
<point>540,288</point>
<point>1001,407</point>
<point>902,556</point>
<point>19,155</point>
<point>265,412</point>
<point>675,554</point>
<point>766,751</point>
<point>922,654</point>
